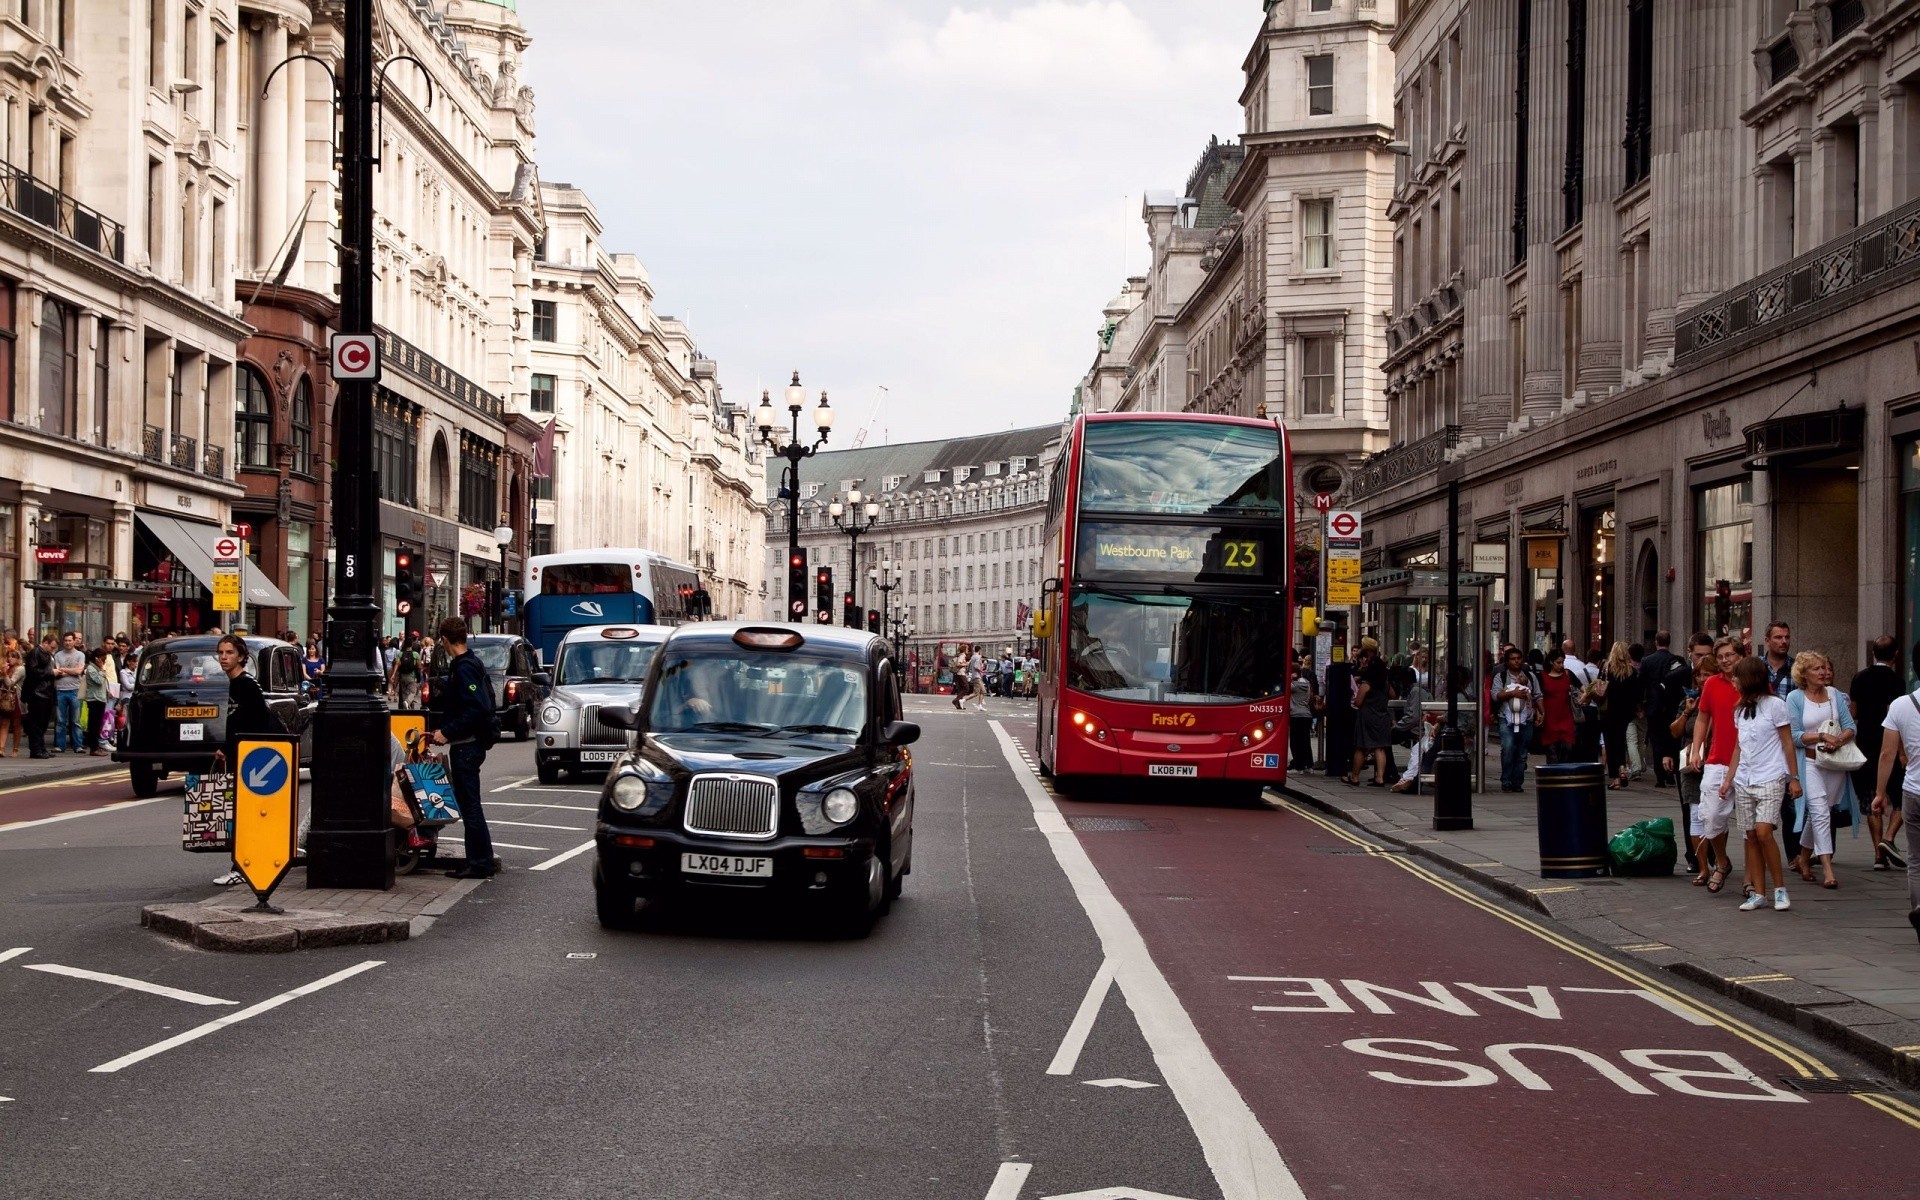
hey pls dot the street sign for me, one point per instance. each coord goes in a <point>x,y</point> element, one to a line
<point>406,726</point>
<point>1323,501</point>
<point>266,820</point>
<point>226,548</point>
<point>1343,524</point>
<point>1342,569</point>
<point>1343,593</point>
<point>226,591</point>
<point>355,356</point>
<point>243,530</point>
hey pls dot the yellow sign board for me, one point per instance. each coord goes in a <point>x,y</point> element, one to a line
<point>406,726</point>
<point>1543,554</point>
<point>1343,568</point>
<point>266,821</point>
<point>1343,592</point>
<point>226,591</point>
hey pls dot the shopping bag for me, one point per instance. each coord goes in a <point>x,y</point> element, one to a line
<point>1644,848</point>
<point>207,820</point>
<point>430,792</point>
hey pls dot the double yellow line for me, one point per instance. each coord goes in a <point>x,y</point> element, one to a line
<point>80,781</point>
<point>1804,1065</point>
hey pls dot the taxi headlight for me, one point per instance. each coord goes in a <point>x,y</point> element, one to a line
<point>550,715</point>
<point>840,805</point>
<point>629,793</point>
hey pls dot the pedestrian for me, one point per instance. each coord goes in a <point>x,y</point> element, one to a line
<point>1372,719</point>
<point>248,713</point>
<point>13,679</point>
<point>1683,765</point>
<point>69,671</point>
<point>1664,679</point>
<point>1873,690</point>
<point>977,676</point>
<point>962,688</point>
<point>1555,709</point>
<point>1303,700</point>
<point>38,694</point>
<point>1760,778</point>
<point>1637,727</point>
<point>1419,753</point>
<point>1822,723</point>
<point>1714,738</point>
<point>94,696</point>
<point>1516,699</point>
<point>403,682</point>
<point>469,727</point>
<point>314,668</point>
<point>1903,721</point>
<point>1411,692</point>
<point>1779,659</point>
<point>1619,705</point>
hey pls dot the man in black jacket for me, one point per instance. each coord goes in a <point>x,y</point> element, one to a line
<point>468,726</point>
<point>248,714</point>
<point>36,694</point>
<point>1664,677</point>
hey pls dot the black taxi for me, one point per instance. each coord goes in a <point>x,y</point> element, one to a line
<point>177,715</point>
<point>767,759</point>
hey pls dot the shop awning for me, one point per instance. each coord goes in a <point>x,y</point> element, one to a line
<point>1402,584</point>
<point>112,591</point>
<point>192,544</point>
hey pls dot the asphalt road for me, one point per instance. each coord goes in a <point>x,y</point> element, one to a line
<point>1135,995</point>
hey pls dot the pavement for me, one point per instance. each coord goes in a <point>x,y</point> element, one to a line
<point>1842,963</point>
<point>22,770</point>
<point>310,919</point>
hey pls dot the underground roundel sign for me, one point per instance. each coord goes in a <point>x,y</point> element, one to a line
<point>356,356</point>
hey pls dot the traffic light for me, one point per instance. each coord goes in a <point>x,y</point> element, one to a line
<point>873,620</point>
<point>823,594</point>
<point>406,588</point>
<point>797,585</point>
<point>850,611</point>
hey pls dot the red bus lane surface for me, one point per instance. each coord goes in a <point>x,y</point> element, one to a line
<point>41,801</point>
<point>1392,1034</point>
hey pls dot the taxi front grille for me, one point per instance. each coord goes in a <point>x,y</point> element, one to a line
<point>742,806</point>
<point>594,732</point>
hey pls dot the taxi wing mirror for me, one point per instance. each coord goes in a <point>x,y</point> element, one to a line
<point>620,718</point>
<point>900,733</point>
<point>542,680</point>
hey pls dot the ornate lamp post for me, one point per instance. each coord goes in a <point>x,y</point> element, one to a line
<point>886,577</point>
<point>859,518</point>
<point>785,442</point>
<point>503,535</point>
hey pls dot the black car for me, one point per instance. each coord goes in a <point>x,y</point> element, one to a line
<point>177,715</point>
<point>509,661</point>
<point>767,759</point>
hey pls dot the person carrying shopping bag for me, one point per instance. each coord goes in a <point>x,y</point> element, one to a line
<point>1823,735</point>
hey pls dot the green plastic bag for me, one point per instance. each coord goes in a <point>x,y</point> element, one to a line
<point>1644,848</point>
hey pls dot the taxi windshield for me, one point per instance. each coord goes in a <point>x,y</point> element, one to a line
<point>177,665</point>
<point>605,662</point>
<point>769,693</point>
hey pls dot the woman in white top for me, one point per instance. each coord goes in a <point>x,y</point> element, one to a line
<point>1822,789</point>
<point>1759,777</point>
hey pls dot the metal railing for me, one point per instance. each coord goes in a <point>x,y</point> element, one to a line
<point>213,462</point>
<point>181,453</point>
<point>61,213</point>
<point>1404,462</point>
<point>151,440</point>
<point>1883,252</point>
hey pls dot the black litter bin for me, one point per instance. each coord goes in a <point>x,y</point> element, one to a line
<point>1572,800</point>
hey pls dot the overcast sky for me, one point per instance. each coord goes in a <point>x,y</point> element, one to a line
<point>930,197</point>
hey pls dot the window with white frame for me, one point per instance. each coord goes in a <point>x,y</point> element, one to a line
<point>1316,234</point>
<point>1316,376</point>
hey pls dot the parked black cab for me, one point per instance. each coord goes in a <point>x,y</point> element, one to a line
<point>177,715</point>
<point>767,759</point>
<point>509,660</point>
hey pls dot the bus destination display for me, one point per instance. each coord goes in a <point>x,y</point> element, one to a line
<point>1171,552</point>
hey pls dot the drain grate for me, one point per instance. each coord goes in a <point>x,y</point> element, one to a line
<point>1842,1086</point>
<point>1107,825</point>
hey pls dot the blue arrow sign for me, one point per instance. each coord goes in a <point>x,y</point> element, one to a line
<point>264,770</point>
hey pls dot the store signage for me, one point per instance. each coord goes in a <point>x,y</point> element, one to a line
<point>1543,554</point>
<point>1490,558</point>
<point>50,554</point>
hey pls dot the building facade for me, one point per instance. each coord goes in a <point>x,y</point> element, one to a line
<point>1667,344</point>
<point>647,451</point>
<point>960,520</point>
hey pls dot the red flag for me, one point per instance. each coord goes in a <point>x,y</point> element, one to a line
<point>543,451</point>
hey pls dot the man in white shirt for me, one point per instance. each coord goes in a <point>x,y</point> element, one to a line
<point>1903,721</point>
<point>1584,672</point>
<point>977,676</point>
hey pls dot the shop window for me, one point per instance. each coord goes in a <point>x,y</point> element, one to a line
<point>302,427</point>
<point>1723,524</point>
<point>299,572</point>
<point>253,421</point>
<point>479,482</point>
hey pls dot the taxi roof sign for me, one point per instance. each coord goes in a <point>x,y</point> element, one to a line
<point>769,639</point>
<point>266,825</point>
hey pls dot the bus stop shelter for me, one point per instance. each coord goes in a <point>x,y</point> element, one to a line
<point>1408,604</point>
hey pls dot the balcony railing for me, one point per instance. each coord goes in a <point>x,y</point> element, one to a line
<point>1879,254</point>
<point>213,462</point>
<point>61,213</point>
<point>150,443</point>
<point>182,452</point>
<point>1401,463</point>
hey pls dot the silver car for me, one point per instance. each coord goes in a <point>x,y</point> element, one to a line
<point>596,666</point>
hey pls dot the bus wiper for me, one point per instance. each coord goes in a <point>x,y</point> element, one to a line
<point>818,729</point>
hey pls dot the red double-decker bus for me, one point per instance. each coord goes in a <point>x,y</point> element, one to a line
<point>1166,624</point>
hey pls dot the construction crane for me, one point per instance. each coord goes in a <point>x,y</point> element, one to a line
<point>860,438</point>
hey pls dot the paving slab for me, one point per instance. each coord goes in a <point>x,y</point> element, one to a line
<point>310,919</point>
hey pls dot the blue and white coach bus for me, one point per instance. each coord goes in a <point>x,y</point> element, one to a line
<point>603,587</point>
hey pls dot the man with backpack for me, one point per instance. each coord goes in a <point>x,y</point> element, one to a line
<point>404,683</point>
<point>1664,678</point>
<point>469,727</point>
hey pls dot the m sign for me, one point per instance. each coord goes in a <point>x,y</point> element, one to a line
<point>356,356</point>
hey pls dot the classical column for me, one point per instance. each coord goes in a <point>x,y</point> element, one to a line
<point>293,184</point>
<point>1893,149</point>
<point>270,184</point>
<point>28,300</point>
<point>1866,164</point>
<point>1832,200</point>
<point>1603,303</point>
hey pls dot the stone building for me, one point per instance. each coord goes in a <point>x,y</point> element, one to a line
<point>960,519</point>
<point>1270,273</point>
<point>1664,330</point>
<point>647,452</point>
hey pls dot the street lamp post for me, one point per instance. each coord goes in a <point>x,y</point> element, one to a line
<point>351,842</point>
<point>503,534</point>
<point>859,519</point>
<point>785,441</point>
<point>886,577</point>
<point>1452,769</point>
<point>903,629</point>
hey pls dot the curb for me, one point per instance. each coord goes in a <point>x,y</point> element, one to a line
<point>231,930</point>
<point>1889,1043</point>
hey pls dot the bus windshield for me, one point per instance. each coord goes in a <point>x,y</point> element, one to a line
<point>1176,649</point>
<point>1182,467</point>
<point>586,579</point>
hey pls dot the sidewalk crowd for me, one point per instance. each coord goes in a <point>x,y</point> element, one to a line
<point>1758,744</point>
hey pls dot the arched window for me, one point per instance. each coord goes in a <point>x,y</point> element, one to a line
<point>439,477</point>
<point>303,427</point>
<point>253,420</point>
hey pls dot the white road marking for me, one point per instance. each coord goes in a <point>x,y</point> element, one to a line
<point>549,791</point>
<point>537,825</point>
<point>1245,1162</point>
<point>523,804</point>
<point>512,784</point>
<point>1008,1180</point>
<point>557,859</point>
<point>83,812</point>
<point>515,845</point>
<point>1113,1193</point>
<point>136,985</point>
<point>16,952</point>
<point>1685,1014</point>
<point>233,1018</point>
<point>1118,1083</point>
<point>1068,1055</point>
